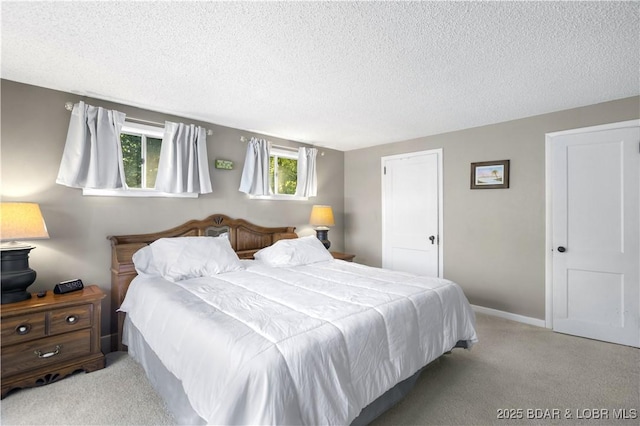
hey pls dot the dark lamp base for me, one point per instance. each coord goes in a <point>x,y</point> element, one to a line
<point>13,297</point>
<point>322,235</point>
<point>16,275</point>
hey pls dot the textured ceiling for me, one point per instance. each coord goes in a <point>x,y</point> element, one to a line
<point>342,75</point>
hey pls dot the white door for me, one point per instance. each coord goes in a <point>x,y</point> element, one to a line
<point>411,213</point>
<point>595,219</point>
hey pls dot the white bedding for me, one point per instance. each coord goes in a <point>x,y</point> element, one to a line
<point>310,344</point>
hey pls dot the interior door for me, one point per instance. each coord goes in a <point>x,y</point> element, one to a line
<point>411,210</point>
<point>596,233</point>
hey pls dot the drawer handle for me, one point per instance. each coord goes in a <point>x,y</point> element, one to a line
<point>23,329</point>
<point>48,354</point>
<point>71,319</point>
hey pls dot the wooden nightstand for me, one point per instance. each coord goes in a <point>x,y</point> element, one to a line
<point>47,338</point>
<point>343,256</point>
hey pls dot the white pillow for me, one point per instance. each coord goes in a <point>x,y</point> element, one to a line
<point>294,252</point>
<point>143,262</point>
<point>182,258</point>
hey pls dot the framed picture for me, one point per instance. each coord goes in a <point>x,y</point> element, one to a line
<point>490,174</point>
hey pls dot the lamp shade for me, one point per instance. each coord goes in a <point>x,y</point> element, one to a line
<point>21,221</point>
<point>321,216</point>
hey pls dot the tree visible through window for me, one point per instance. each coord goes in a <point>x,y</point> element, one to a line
<point>141,155</point>
<point>283,172</point>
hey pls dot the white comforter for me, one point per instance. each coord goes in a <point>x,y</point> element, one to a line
<point>311,344</point>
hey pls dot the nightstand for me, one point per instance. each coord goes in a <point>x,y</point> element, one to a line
<point>47,338</point>
<point>343,256</point>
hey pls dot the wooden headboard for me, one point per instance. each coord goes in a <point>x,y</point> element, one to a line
<point>245,237</point>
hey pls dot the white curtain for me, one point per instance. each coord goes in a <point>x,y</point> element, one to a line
<point>307,177</point>
<point>255,174</point>
<point>184,164</point>
<point>92,156</point>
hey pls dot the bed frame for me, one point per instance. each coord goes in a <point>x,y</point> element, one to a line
<point>245,237</point>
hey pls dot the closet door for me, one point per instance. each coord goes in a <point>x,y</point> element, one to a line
<point>411,213</point>
<point>596,233</point>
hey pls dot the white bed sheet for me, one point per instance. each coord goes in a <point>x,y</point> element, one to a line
<point>311,344</point>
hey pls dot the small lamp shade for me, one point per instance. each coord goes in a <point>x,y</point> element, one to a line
<point>21,221</point>
<point>321,216</point>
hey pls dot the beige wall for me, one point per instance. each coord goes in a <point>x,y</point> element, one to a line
<point>34,128</point>
<point>494,240</point>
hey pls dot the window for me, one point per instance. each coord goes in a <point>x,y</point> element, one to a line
<point>140,154</point>
<point>283,175</point>
<point>283,171</point>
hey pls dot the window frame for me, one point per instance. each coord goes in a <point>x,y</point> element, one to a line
<point>145,131</point>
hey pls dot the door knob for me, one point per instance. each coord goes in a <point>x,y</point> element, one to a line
<point>432,238</point>
<point>562,249</point>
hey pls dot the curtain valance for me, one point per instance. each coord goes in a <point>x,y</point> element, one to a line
<point>307,176</point>
<point>92,156</point>
<point>255,174</point>
<point>184,163</point>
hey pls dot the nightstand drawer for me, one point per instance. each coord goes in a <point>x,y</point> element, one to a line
<point>69,319</point>
<point>23,328</point>
<point>47,338</point>
<point>43,352</point>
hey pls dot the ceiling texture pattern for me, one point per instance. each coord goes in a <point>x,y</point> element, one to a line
<point>342,75</point>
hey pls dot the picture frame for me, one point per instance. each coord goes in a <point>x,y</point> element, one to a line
<point>224,164</point>
<point>490,174</point>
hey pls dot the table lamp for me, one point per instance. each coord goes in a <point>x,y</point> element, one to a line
<point>322,217</point>
<point>18,221</point>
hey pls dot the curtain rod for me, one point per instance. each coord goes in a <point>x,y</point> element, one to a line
<point>69,107</point>
<point>244,139</point>
<point>141,121</point>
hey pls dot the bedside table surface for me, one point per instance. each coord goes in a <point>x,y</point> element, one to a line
<point>343,256</point>
<point>88,293</point>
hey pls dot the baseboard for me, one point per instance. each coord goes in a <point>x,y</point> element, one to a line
<point>508,315</point>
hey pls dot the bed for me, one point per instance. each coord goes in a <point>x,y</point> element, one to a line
<point>254,325</point>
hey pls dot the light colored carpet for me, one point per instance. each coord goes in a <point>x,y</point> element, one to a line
<point>515,366</point>
<point>119,394</point>
<point>520,367</point>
